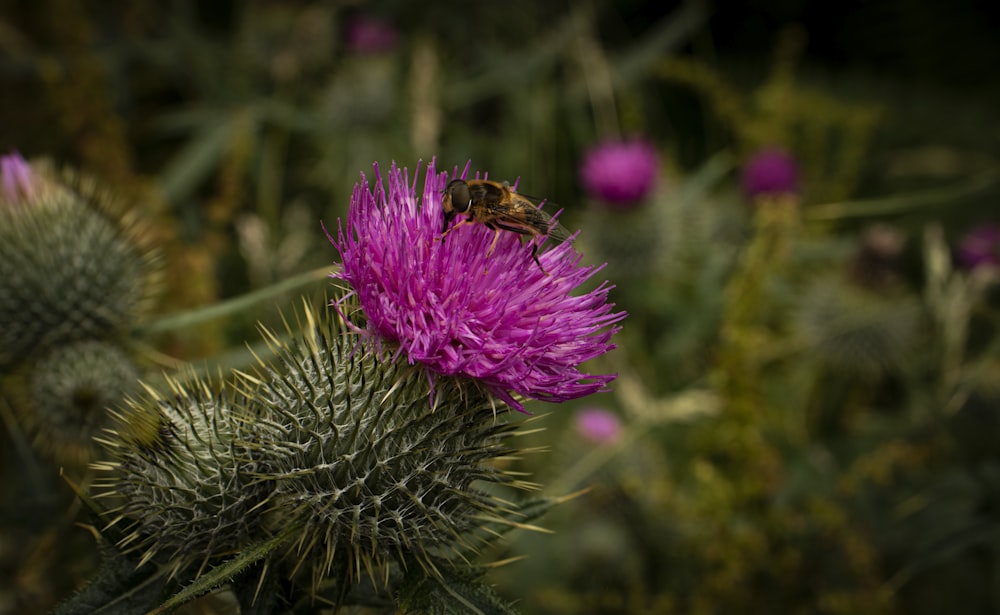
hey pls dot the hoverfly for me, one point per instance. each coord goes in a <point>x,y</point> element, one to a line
<point>499,208</point>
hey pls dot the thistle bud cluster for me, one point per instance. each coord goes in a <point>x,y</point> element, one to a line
<point>77,274</point>
<point>330,445</point>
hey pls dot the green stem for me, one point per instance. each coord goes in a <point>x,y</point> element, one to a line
<point>898,203</point>
<point>196,316</point>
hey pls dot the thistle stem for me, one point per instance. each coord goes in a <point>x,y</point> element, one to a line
<point>199,315</point>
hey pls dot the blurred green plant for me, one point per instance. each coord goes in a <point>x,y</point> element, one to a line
<point>808,388</point>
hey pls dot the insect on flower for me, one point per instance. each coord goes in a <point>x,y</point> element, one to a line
<point>497,206</point>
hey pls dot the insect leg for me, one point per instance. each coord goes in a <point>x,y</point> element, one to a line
<point>522,231</point>
<point>448,215</point>
<point>496,237</point>
<point>534,255</point>
<point>448,230</point>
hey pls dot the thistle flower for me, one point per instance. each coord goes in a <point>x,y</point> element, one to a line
<point>73,265</point>
<point>368,35</point>
<point>598,425</point>
<point>980,247</point>
<point>770,172</point>
<point>460,311</point>
<point>620,173</point>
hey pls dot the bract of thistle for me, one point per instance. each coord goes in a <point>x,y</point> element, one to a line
<point>460,310</point>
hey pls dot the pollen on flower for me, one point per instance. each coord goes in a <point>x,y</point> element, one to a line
<point>461,310</point>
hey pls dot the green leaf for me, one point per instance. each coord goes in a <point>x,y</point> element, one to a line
<point>223,572</point>
<point>117,586</point>
<point>453,593</point>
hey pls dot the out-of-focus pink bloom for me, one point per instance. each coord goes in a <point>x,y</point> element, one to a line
<point>620,173</point>
<point>368,35</point>
<point>17,181</point>
<point>770,172</point>
<point>980,247</point>
<point>598,425</point>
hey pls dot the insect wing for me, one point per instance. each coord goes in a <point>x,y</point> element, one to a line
<point>539,220</point>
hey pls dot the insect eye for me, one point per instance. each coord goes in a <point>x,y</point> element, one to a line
<point>458,190</point>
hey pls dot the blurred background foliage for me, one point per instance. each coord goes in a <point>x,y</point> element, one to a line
<point>808,386</point>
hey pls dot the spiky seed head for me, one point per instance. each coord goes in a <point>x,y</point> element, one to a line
<point>63,397</point>
<point>180,487</point>
<point>363,463</point>
<point>74,264</point>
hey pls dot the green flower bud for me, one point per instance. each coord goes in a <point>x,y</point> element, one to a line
<point>856,331</point>
<point>73,266</point>
<point>62,398</point>
<point>366,461</point>
<point>182,488</point>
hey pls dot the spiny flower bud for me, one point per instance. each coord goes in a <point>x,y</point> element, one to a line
<point>62,398</point>
<point>363,465</point>
<point>73,266</point>
<point>182,486</point>
<point>854,330</point>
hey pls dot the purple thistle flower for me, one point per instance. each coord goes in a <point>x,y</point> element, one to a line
<point>980,247</point>
<point>769,172</point>
<point>18,180</point>
<point>498,319</point>
<point>369,36</point>
<point>620,173</point>
<point>598,425</point>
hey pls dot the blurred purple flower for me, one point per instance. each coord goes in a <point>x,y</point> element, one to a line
<point>16,178</point>
<point>598,425</point>
<point>620,173</point>
<point>769,172</point>
<point>498,319</point>
<point>980,247</point>
<point>368,35</point>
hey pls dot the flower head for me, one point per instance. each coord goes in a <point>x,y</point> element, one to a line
<point>980,247</point>
<point>368,35</point>
<point>598,425</point>
<point>620,172</point>
<point>460,310</point>
<point>769,172</point>
<point>17,181</point>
